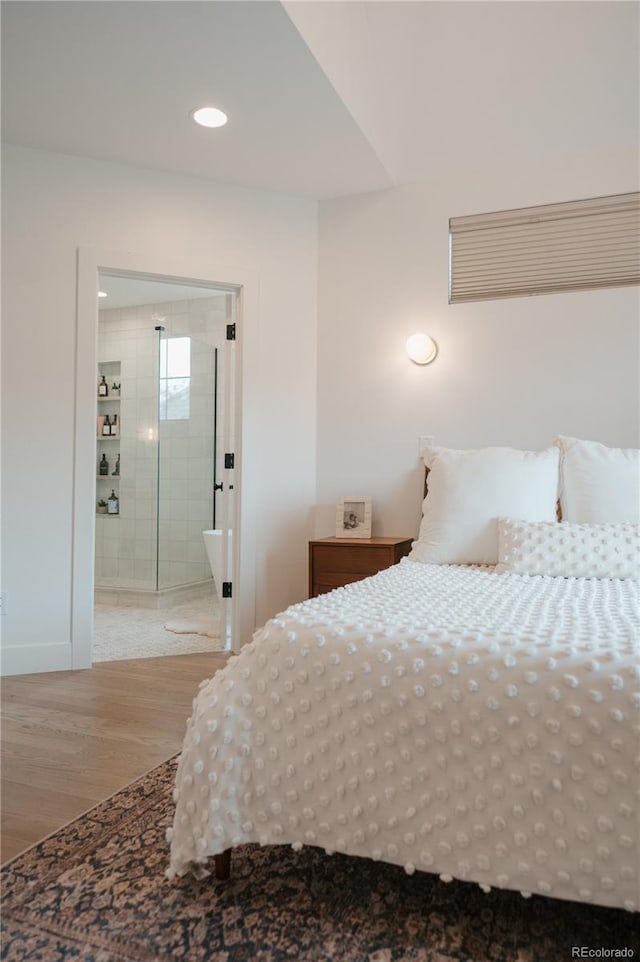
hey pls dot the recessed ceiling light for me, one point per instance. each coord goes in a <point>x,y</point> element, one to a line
<point>102,294</point>
<point>209,117</point>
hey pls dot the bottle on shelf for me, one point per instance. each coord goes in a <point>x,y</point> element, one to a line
<point>115,389</point>
<point>106,427</point>
<point>113,504</point>
<point>103,387</point>
<point>104,466</point>
<point>115,430</point>
<point>116,470</point>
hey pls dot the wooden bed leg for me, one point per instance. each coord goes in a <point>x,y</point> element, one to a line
<point>222,864</point>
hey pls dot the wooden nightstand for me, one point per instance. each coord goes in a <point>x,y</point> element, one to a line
<point>334,562</point>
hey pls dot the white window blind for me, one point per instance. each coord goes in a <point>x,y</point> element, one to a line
<point>574,246</point>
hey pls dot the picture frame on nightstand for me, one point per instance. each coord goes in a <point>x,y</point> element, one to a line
<point>353,517</point>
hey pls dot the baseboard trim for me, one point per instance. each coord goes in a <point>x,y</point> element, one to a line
<point>28,659</point>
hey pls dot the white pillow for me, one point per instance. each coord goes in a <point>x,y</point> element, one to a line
<point>598,484</point>
<point>469,490</point>
<point>569,550</point>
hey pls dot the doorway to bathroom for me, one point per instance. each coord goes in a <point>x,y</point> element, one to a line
<point>165,445</point>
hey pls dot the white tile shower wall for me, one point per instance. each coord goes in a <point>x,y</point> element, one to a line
<point>172,457</point>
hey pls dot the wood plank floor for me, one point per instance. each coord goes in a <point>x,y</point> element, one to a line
<point>70,739</point>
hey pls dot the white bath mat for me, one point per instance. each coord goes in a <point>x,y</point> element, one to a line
<point>210,628</point>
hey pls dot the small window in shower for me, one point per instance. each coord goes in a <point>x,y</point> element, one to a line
<point>175,378</point>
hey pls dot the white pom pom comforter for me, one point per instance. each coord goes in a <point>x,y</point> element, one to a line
<point>444,718</point>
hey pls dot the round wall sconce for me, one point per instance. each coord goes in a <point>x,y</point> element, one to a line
<point>209,116</point>
<point>421,348</point>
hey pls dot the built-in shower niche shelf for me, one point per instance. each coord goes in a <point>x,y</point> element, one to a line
<point>105,482</point>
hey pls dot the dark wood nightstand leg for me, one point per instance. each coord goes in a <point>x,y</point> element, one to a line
<point>222,864</point>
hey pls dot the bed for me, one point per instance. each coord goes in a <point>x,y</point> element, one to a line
<point>467,719</point>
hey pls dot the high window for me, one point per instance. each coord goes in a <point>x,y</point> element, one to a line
<point>575,246</point>
<point>175,378</point>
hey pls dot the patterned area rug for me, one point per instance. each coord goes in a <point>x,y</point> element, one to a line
<point>95,892</point>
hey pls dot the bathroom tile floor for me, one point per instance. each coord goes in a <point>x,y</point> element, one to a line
<point>126,632</point>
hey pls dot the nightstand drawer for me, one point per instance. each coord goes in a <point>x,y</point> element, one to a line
<point>352,559</point>
<point>335,562</point>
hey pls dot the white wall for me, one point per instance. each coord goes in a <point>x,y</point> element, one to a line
<point>509,372</point>
<point>55,204</point>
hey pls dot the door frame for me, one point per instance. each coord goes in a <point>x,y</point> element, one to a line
<point>191,270</point>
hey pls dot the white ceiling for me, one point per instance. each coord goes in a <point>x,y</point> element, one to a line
<point>458,86</point>
<point>118,80</point>
<point>324,98</point>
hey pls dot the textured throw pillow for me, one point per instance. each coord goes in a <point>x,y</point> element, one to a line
<point>569,550</point>
<point>470,490</point>
<point>598,485</point>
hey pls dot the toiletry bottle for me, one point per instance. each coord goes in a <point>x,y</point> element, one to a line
<point>114,426</point>
<point>104,465</point>
<point>103,387</point>
<point>106,427</point>
<point>115,389</point>
<point>116,470</point>
<point>113,504</point>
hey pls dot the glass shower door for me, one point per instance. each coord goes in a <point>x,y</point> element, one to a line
<point>194,521</point>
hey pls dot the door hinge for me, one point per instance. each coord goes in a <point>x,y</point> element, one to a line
<point>231,332</point>
<point>226,589</point>
<point>229,460</point>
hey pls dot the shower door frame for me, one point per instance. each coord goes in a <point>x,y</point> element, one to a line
<point>192,271</point>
